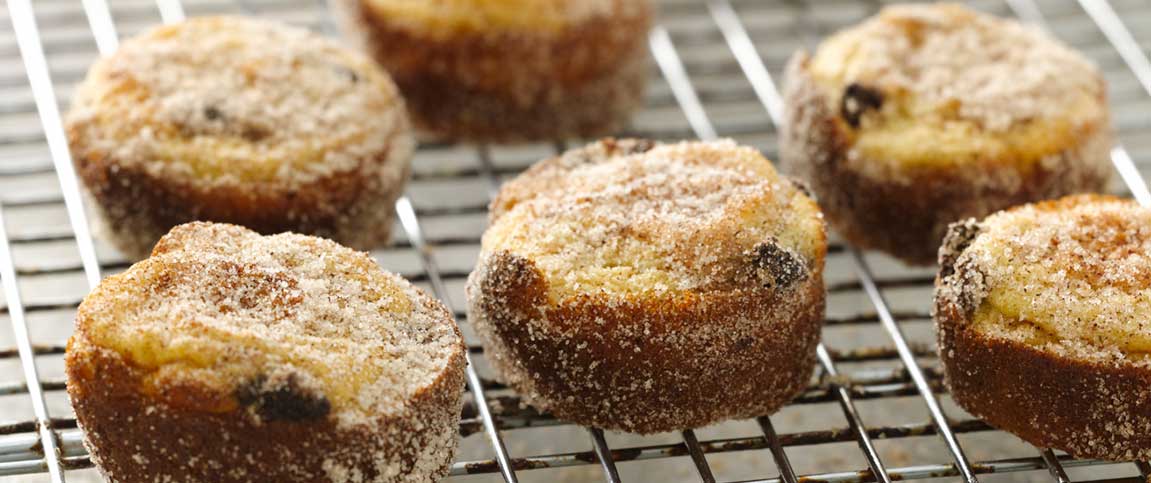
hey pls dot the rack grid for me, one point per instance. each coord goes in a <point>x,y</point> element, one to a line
<point>715,73</point>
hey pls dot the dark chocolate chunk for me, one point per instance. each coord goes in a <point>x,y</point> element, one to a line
<point>282,402</point>
<point>254,133</point>
<point>857,100</point>
<point>775,266</point>
<point>213,113</point>
<point>347,72</point>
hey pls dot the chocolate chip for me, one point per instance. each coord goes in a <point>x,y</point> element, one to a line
<point>282,402</point>
<point>213,113</point>
<point>254,133</point>
<point>857,100</point>
<point>347,72</point>
<point>775,266</point>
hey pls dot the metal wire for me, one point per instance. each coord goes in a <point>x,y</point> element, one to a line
<point>49,458</point>
<point>43,91</point>
<point>914,380</point>
<point>411,224</point>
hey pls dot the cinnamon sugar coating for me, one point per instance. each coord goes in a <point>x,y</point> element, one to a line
<point>509,70</point>
<point>624,284</point>
<point>244,121</point>
<point>230,356</point>
<point>928,114</point>
<point>1041,312</point>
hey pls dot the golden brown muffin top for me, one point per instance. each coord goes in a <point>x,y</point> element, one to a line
<point>236,100</point>
<point>446,17</point>
<point>289,326</point>
<point>941,85</point>
<point>1073,275</point>
<point>630,217</point>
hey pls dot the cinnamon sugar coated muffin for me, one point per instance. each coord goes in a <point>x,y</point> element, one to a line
<point>509,70</point>
<point>625,284</point>
<point>928,114</point>
<point>1044,321</point>
<point>243,121</point>
<point>230,356</point>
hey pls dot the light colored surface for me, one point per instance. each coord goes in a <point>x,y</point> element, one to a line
<point>50,275</point>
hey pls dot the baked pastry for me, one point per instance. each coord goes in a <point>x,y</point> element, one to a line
<point>243,121</point>
<point>1042,316</point>
<point>509,70</point>
<point>625,284</point>
<point>229,356</point>
<point>929,114</point>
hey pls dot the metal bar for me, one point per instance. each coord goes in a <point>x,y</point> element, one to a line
<point>1144,469</point>
<point>697,456</point>
<point>853,419</point>
<point>488,170</point>
<point>603,454</point>
<point>40,80</point>
<point>663,50</point>
<point>411,226</point>
<point>103,29</point>
<point>1120,37</point>
<point>917,472</point>
<point>171,11</point>
<point>19,446</point>
<point>1117,34</point>
<point>739,41</point>
<point>1053,465</point>
<point>913,369</point>
<point>786,473</point>
<point>50,455</point>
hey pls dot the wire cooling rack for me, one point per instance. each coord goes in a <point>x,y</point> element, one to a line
<point>876,411</point>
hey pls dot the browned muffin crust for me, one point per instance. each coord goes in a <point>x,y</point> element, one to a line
<point>610,353</point>
<point>1083,396</point>
<point>305,136</point>
<point>167,389</point>
<point>514,84</point>
<point>903,206</point>
<point>132,438</point>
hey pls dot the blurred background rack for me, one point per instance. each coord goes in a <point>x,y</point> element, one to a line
<point>876,411</point>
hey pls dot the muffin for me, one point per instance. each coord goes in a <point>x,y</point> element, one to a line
<point>928,114</point>
<point>509,70</point>
<point>625,284</point>
<point>229,356</point>
<point>1044,323</point>
<point>243,121</point>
